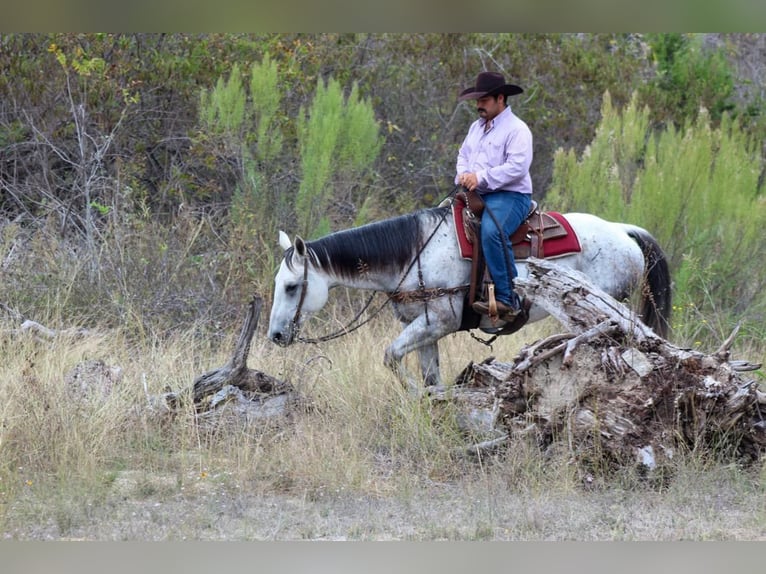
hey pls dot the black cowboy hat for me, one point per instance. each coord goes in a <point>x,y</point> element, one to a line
<point>489,84</point>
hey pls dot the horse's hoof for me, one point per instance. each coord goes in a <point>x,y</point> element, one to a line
<point>436,390</point>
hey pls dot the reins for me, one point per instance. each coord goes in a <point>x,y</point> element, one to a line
<point>421,294</point>
<point>345,330</point>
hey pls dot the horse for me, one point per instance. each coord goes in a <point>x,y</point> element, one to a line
<point>414,258</point>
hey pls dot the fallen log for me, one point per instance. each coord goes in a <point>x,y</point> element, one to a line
<point>610,390</point>
<point>236,372</point>
<point>234,391</point>
<point>38,330</point>
<point>250,393</point>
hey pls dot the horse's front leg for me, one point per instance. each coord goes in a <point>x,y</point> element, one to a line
<point>422,334</point>
<point>428,356</point>
<point>396,364</point>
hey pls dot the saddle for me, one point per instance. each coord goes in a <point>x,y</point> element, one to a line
<point>529,240</point>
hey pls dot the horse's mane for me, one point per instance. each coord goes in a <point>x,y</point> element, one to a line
<point>386,245</point>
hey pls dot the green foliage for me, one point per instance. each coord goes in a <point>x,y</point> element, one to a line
<point>361,140</point>
<point>318,131</point>
<point>601,182</point>
<point>229,111</point>
<point>222,110</point>
<point>688,77</point>
<point>227,115</point>
<point>266,98</point>
<point>696,311</point>
<point>702,193</point>
<point>697,190</point>
<point>339,140</point>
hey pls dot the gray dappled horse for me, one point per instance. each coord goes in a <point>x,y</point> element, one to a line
<point>418,253</point>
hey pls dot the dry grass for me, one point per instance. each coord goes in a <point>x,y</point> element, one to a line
<point>365,461</point>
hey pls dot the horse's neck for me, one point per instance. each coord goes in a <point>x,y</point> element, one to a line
<point>372,281</point>
<point>379,257</point>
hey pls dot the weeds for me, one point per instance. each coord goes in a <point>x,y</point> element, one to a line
<point>366,460</point>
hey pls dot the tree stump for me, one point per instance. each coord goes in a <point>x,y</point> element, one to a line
<point>610,390</point>
<point>236,372</point>
<point>234,391</point>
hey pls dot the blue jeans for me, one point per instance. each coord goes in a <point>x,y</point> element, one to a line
<point>509,209</point>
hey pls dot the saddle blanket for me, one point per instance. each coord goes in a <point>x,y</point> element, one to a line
<point>554,247</point>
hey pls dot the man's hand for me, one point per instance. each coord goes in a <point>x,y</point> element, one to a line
<point>468,180</point>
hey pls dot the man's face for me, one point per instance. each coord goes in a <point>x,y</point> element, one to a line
<point>488,107</point>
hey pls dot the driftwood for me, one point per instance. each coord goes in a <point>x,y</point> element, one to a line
<point>233,392</point>
<point>610,390</point>
<point>236,390</point>
<point>38,330</point>
<point>236,372</point>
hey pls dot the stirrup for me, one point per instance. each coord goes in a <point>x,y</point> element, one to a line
<point>491,303</point>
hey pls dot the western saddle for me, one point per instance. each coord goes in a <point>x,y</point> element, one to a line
<point>527,241</point>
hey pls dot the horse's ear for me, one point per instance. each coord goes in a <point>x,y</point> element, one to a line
<point>284,240</point>
<point>300,246</point>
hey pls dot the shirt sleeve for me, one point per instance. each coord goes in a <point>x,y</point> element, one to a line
<point>463,155</point>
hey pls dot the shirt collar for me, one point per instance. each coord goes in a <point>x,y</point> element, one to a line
<point>497,117</point>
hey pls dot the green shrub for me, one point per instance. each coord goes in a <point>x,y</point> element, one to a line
<point>339,141</point>
<point>689,77</point>
<point>697,190</point>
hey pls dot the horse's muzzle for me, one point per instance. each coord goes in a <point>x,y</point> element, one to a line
<point>283,338</point>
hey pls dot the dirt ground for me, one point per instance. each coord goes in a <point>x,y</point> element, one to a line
<point>722,505</point>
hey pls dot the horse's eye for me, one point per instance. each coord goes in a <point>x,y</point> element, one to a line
<point>291,288</point>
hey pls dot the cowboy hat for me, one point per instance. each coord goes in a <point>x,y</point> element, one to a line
<point>489,84</point>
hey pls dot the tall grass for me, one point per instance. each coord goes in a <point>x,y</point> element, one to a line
<point>62,452</point>
<point>69,461</point>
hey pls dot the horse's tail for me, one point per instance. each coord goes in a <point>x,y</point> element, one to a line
<point>656,291</point>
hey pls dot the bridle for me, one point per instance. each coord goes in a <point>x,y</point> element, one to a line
<point>304,288</point>
<point>344,330</point>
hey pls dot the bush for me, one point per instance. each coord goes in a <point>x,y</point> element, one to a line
<point>697,190</point>
<point>688,78</point>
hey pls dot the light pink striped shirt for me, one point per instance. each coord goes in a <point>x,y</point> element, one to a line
<point>500,157</point>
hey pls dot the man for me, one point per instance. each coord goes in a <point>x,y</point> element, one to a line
<point>494,160</point>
